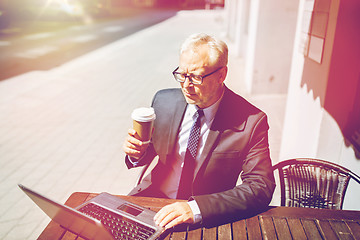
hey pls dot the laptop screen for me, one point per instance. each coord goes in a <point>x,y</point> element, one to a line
<point>69,218</point>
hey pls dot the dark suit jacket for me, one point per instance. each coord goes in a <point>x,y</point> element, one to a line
<point>237,144</point>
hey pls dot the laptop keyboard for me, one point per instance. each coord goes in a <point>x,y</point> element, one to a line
<point>120,227</point>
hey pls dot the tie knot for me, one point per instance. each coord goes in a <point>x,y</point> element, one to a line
<point>198,113</point>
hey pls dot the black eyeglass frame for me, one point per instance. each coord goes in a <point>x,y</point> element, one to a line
<point>189,76</point>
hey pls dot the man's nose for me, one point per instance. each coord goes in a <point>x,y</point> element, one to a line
<point>187,82</point>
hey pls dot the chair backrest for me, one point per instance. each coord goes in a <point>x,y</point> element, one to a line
<point>313,183</point>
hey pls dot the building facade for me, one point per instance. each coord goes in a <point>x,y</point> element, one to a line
<point>309,50</point>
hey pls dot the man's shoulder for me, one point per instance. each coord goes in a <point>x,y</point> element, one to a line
<point>168,91</point>
<point>235,102</point>
<point>236,112</point>
<point>168,94</point>
<point>168,97</point>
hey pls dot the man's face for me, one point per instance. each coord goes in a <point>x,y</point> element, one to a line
<point>198,63</point>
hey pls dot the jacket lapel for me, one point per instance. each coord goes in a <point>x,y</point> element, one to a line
<point>178,115</point>
<point>214,133</point>
<point>224,119</point>
<point>210,141</point>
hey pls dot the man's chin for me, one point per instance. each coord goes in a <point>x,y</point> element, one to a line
<point>190,101</point>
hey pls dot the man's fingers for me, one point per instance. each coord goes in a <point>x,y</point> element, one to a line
<point>174,214</point>
<point>133,138</point>
<point>167,219</point>
<point>174,222</point>
<point>134,141</point>
<point>159,216</point>
<point>132,132</point>
<point>134,147</point>
<point>130,147</point>
<point>132,152</point>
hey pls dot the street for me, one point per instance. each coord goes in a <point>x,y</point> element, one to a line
<point>65,107</point>
<point>42,45</point>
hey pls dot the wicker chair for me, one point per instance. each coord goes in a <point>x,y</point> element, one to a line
<point>313,183</point>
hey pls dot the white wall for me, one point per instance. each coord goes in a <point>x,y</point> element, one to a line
<point>270,44</point>
<point>309,129</point>
<point>263,32</point>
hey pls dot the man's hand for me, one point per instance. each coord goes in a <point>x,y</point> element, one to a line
<point>134,147</point>
<point>174,214</point>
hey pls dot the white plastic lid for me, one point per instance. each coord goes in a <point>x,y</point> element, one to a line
<point>143,114</point>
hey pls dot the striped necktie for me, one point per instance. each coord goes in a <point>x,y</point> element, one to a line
<point>187,174</point>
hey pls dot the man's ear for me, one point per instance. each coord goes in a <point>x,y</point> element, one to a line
<point>223,73</point>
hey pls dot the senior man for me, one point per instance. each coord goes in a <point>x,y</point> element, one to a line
<point>206,136</point>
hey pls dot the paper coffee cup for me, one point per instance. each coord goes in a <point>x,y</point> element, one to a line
<point>143,122</point>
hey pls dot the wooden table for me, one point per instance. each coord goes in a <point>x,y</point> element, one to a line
<point>275,223</point>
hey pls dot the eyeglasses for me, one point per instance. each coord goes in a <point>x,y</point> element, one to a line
<point>194,79</point>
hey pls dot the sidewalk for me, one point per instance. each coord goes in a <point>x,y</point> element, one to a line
<point>61,131</point>
<point>37,23</point>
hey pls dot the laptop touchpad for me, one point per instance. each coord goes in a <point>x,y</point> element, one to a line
<point>133,210</point>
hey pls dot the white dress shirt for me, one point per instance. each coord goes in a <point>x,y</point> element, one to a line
<point>171,183</point>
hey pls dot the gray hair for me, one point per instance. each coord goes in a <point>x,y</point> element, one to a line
<point>218,50</point>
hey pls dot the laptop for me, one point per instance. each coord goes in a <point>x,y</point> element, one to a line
<point>102,217</point>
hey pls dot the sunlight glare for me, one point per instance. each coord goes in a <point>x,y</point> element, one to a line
<point>68,8</point>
